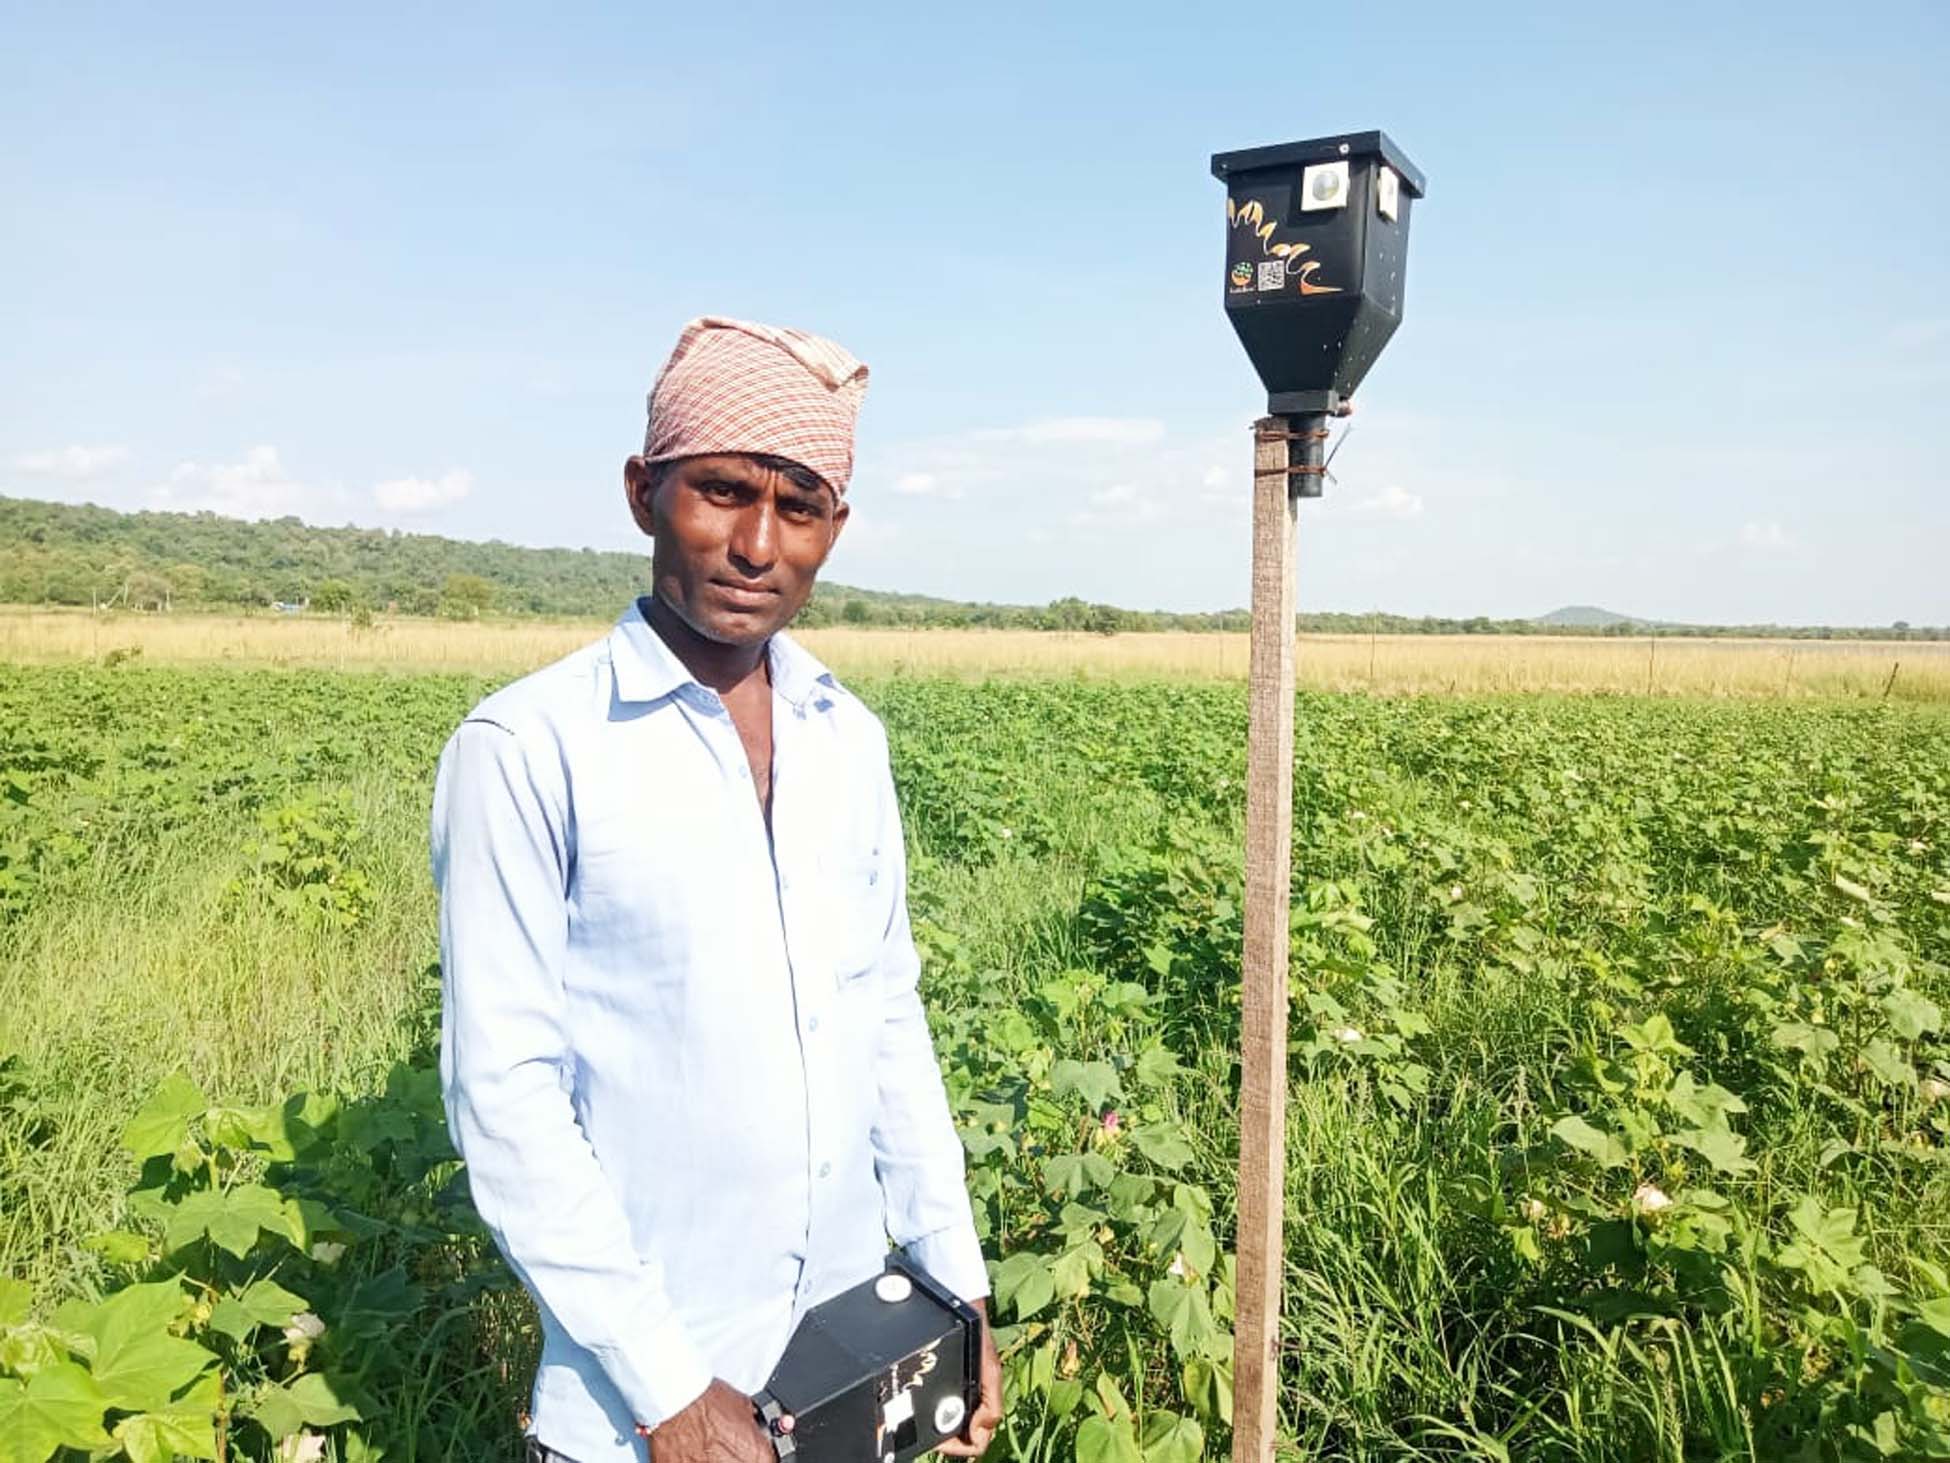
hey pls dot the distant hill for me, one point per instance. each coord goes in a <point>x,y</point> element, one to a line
<point>1586,617</point>
<point>77,554</point>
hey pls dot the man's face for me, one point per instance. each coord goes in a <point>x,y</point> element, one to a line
<point>738,543</point>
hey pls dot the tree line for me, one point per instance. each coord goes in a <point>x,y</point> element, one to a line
<point>69,554</point>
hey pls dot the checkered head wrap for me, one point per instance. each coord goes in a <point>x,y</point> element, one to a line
<point>731,386</point>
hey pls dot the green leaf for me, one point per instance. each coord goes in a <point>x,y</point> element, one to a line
<point>309,1401</point>
<point>1024,1283</point>
<point>230,1218</point>
<point>1072,1175</point>
<point>1095,1082</point>
<point>1079,1221</point>
<point>120,1247</point>
<point>1701,1106</point>
<point>1720,1146</point>
<point>229,1127</point>
<point>1073,1268</point>
<point>1162,1146</point>
<point>1576,1133</point>
<point>287,1130</point>
<point>1109,1399</point>
<point>1169,1438</point>
<point>1107,1440</point>
<point>1208,1387</point>
<point>1816,1043</point>
<point>187,1428</point>
<point>162,1123</point>
<point>1655,1035</point>
<point>1936,1315</point>
<point>1130,1195</point>
<point>1158,1064</point>
<point>1911,1016</point>
<point>268,1304</point>
<point>137,1364</point>
<point>1064,1395</point>
<point>1825,1248</point>
<point>1186,1314</point>
<point>1886,1062</point>
<point>1178,1230</point>
<point>58,1407</point>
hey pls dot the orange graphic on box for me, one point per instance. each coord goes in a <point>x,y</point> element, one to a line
<point>1251,215</point>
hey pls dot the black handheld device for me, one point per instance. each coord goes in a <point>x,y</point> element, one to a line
<point>877,1374</point>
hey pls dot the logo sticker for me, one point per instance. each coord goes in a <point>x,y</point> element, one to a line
<point>1242,276</point>
<point>1273,272</point>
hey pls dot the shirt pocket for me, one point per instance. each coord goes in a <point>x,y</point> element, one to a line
<point>857,899</point>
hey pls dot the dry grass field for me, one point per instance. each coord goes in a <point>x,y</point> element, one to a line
<point>1906,671</point>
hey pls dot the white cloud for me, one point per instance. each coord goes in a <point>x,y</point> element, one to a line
<point>423,495</point>
<point>1113,431</point>
<point>256,486</point>
<point>1393,501</point>
<point>1765,535</point>
<point>71,464</point>
<point>1067,461</point>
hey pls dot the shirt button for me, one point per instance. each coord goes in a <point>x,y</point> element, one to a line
<point>825,1169</point>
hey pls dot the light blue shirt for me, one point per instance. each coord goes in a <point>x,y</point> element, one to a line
<point>685,1062</point>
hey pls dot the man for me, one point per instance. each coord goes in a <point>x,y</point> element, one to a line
<point>681,1046</point>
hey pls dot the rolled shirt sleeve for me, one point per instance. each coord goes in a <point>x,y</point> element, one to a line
<point>917,1153</point>
<point>501,866</point>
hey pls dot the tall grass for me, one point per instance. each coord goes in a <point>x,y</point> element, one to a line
<point>1389,664</point>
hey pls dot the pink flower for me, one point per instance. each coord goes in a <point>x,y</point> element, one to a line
<point>1112,1122</point>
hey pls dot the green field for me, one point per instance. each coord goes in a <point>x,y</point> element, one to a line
<point>1619,1108</point>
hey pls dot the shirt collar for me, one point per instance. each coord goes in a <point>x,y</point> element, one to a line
<point>646,669</point>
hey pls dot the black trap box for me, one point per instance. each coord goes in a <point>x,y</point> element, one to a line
<point>1316,260</point>
<point>878,1374</point>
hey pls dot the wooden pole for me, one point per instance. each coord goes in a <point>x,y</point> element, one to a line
<point>1269,862</point>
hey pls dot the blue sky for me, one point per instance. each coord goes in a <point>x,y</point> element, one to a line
<point>1676,338</point>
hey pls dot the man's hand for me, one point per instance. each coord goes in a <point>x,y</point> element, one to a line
<point>721,1426</point>
<point>988,1412</point>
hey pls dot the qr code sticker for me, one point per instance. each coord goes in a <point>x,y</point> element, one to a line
<point>1272,274</point>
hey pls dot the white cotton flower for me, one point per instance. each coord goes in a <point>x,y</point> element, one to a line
<point>1534,1210</point>
<point>1346,1034</point>
<point>327,1252</point>
<point>304,1327</point>
<point>1178,1267</point>
<point>303,1447</point>
<point>1455,892</point>
<point>1650,1199</point>
<point>1007,834</point>
<point>1935,1089</point>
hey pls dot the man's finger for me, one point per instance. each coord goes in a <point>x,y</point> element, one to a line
<point>972,1446</point>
